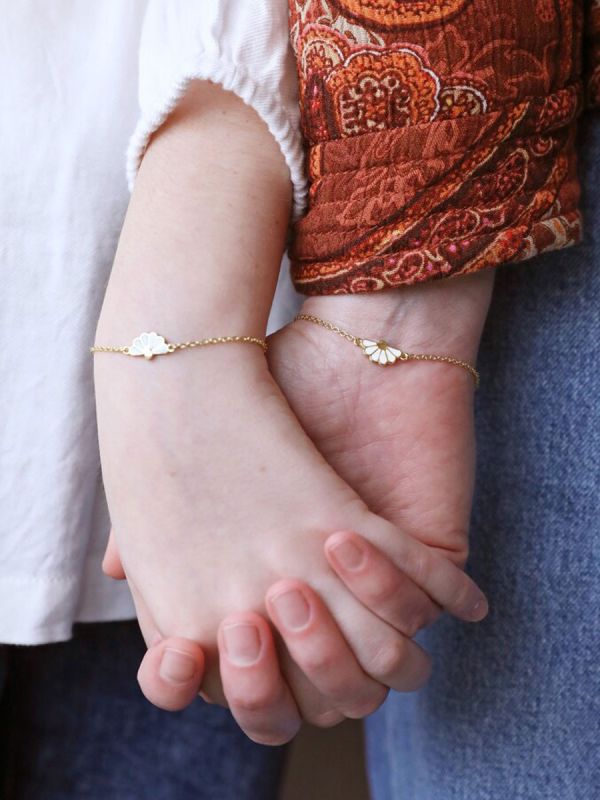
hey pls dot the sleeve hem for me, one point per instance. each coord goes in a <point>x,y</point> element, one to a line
<point>407,268</point>
<point>234,78</point>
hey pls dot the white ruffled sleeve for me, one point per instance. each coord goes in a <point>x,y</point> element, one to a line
<point>242,45</point>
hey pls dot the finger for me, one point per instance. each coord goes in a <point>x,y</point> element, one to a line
<point>258,696</point>
<point>318,647</point>
<point>379,585</point>
<point>171,670</point>
<point>161,683</point>
<point>111,563</point>
<point>171,673</point>
<point>390,658</point>
<point>210,689</point>
<point>314,707</point>
<point>448,585</point>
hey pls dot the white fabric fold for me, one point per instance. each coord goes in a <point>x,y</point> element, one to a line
<point>240,44</point>
<point>84,85</point>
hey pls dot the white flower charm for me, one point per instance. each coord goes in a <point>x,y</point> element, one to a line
<point>380,352</point>
<point>148,345</point>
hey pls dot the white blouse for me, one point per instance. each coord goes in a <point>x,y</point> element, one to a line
<point>84,86</point>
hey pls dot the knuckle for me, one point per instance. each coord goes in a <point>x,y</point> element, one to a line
<point>252,702</point>
<point>367,707</point>
<point>382,591</point>
<point>271,738</point>
<point>387,660</point>
<point>325,719</point>
<point>420,567</point>
<point>319,662</point>
<point>343,691</point>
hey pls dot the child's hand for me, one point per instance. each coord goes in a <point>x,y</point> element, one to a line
<point>254,686</point>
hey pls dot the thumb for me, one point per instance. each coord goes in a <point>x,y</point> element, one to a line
<point>111,563</point>
<point>171,673</point>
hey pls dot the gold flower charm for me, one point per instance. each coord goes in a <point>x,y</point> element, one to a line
<point>149,345</point>
<point>381,352</point>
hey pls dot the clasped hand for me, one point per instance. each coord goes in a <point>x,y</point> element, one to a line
<point>285,532</point>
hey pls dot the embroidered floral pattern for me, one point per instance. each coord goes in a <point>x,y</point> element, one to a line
<point>374,90</point>
<point>440,136</point>
<point>397,14</point>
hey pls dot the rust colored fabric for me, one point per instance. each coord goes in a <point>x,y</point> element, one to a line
<point>440,135</point>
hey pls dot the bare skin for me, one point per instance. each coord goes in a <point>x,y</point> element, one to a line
<point>392,434</point>
<point>401,436</point>
<point>216,493</point>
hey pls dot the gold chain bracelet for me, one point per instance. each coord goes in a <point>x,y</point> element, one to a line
<point>153,344</point>
<point>382,353</point>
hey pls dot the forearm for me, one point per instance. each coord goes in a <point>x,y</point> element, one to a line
<point>202,241</point>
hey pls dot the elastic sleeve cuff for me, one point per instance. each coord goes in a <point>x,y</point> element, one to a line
<point>235,79</point>
<point>244,47</point>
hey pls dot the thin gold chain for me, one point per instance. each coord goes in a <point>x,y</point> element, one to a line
<point>358,341</point>
<point>457,362</point>
<point>195,343</point>
<point>330,327</point>
<point>99,348</point>
<point>223,340</point>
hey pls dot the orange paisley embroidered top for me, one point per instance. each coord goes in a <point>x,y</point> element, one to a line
<point>440,135</point>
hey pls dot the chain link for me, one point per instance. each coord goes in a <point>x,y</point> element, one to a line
<point>358,341</point>
<point>194,343</point>
<point>106,349</point>
<point>330,327</point>
<point>446,360</point>
<point>222,340</point>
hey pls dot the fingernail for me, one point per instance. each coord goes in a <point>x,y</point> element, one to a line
<point>242,643</point>
<point>177,667</point>
<point>479,610</point>
<point>348,554</point>
<point>292,609</point>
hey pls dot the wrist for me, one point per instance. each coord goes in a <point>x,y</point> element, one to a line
<point>174,380</point>
<point>447,315</point>
<point>177,316</point>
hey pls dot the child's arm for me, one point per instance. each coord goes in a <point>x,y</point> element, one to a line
<point>194,256</point>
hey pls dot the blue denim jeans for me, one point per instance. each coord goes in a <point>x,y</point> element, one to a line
<point>512,711</point>
<point>75,726</point>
